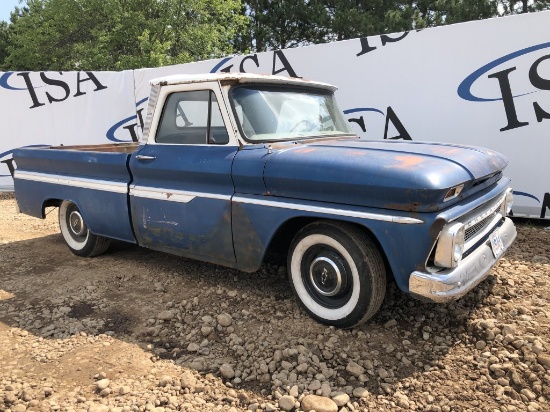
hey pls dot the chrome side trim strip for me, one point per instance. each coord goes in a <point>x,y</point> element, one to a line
<point>161,195</point>
<point>329,210</point>
<point>94,184</point>
<point>172,195</point>
<point>185,196</point>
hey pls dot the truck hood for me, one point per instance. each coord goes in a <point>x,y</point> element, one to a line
<point>399,175</point>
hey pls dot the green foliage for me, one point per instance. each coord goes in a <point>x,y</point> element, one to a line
<point>279,24</point>
<point>3,41</point>
<point>127,34</point>
<point>120,34</point>
<point>522,6</point>
<point>422,14</point>
<point>350,19</point>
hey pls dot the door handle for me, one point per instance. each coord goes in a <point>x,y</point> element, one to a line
<point>143,157</point>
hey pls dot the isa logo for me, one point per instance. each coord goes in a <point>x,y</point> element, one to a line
<point>278,64</point>
<point>129,129</point>
<point>393,128</point>
<point>521,76</point>
<point>45,88</point>
<point>509,71</point>
<point>6,158</point>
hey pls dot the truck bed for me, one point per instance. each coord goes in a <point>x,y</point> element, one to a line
<point>93,176</point>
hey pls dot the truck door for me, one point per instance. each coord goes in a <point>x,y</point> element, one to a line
<point>182,187</point>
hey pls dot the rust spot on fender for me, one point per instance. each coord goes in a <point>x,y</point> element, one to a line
<point>404,207</point>
<point>414,207</point>
<point>169,195</point>
<point>433,207</point>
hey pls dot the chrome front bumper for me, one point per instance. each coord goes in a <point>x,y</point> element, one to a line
<point>451,284</point>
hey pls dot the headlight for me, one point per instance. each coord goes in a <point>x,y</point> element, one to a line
<point>458,245</point>
<point>506,206</point>
<point>450,246</point>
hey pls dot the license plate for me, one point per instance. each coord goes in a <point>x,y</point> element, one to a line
<point>496,244</point>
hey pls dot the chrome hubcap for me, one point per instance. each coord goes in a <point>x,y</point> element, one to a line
<point>76,223</point>
<point>326,277</point>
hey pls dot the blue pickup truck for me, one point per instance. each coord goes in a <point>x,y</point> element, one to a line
<point>233,166</point>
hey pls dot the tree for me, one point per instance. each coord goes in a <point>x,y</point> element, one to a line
<point>279,24</point>
<point>126,34</point>
<point>3,41</point>
<point>283,24</point>
<point>522,6</point>
<point>421,14</point>
<point>350,19</point>
<point>120,34</point>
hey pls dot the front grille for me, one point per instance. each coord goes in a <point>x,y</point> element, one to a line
<point>478,224</point>
<point>477,227</point>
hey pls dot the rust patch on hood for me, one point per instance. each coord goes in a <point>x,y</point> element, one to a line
<point>407,161</point>
<point>443,150</point>
<point>305,150</point>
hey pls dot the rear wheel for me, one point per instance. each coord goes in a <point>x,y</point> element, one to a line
<point>76,233</point>
<point>337,273</point>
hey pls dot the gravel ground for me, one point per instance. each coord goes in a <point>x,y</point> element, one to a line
<point>136,330</point>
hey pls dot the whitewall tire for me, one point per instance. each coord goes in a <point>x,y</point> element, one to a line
<point>76,233</point>
<point>337,273</point>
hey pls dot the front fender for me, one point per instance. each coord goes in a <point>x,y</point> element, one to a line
<point>405,239</point>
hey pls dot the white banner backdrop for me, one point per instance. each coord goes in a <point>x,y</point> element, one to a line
<point>484,83</point>
<point>53,108</point>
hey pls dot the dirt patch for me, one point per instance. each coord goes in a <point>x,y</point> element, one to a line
<point>175,334</point>
<point>118,323</point>
<point>80,310</point>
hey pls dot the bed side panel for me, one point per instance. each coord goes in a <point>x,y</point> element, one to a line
<point>96,181</point>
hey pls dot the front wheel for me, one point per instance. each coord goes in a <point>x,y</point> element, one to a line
<point>76,233</point>
<point>337,273</point>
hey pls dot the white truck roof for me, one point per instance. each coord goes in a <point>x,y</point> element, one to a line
<point>238,77</point>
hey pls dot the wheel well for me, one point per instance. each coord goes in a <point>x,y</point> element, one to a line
<point>50,203</point>
<point>280,243</point>
<point>278,247</point>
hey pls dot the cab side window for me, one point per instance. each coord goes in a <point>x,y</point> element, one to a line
<point>192,118</point>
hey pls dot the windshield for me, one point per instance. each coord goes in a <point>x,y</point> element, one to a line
<point>269,114</point>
